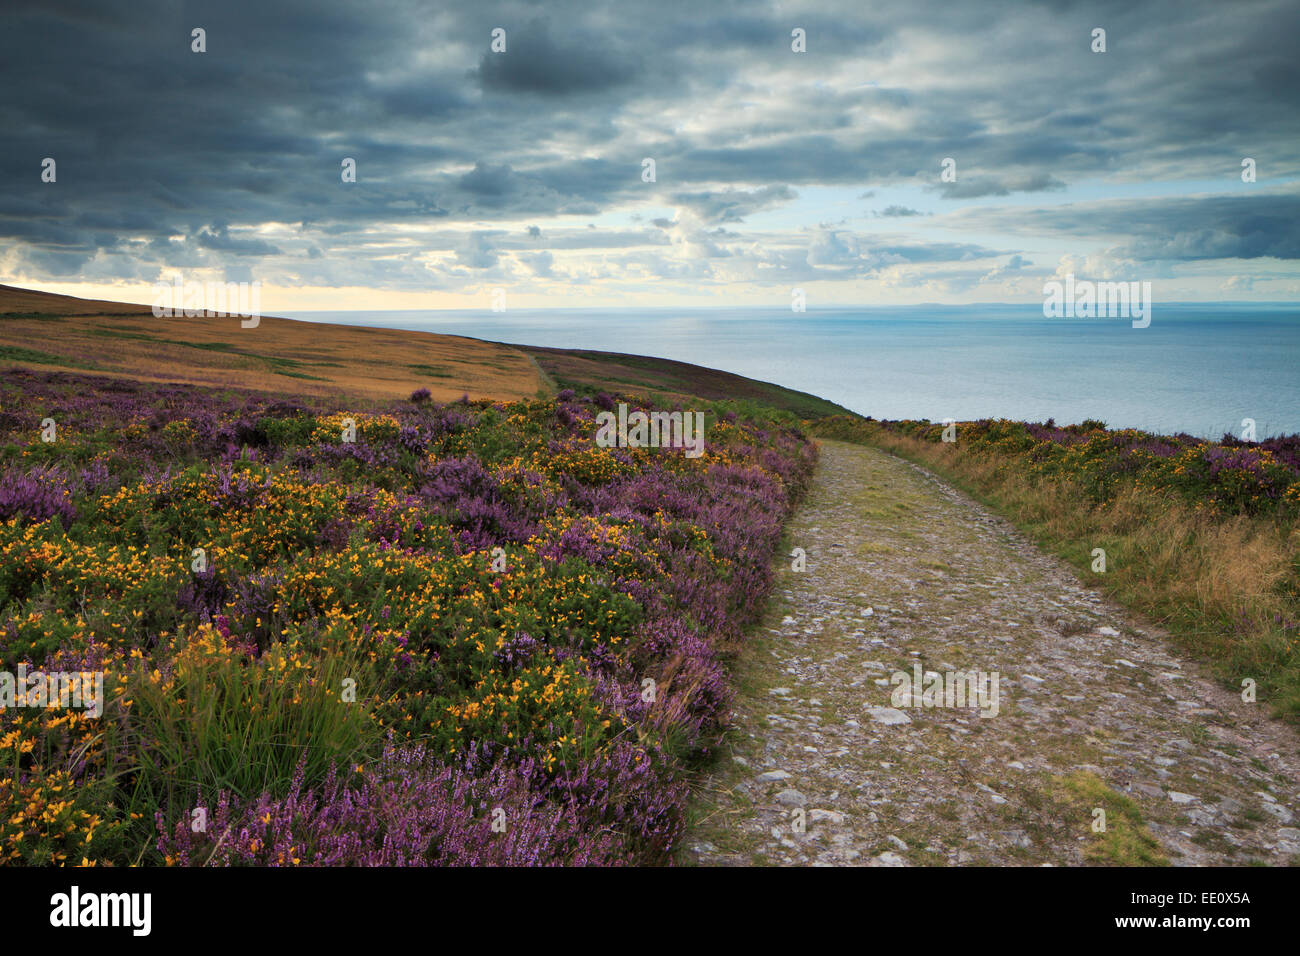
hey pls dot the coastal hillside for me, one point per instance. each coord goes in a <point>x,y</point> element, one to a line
<point>43,330</point>
<point>47,330</point>
<point>669,381</point>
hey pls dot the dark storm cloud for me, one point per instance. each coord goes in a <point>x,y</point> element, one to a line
<point>168,157</point>
<point>533,62</point>
<point>488,180</point>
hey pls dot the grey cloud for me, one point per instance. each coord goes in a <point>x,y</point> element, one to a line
<point>539,263</point>
<point>534,62</point>
<point>733,205</point>
<point>979,186</point>
<point>219,238</point>
<point>488,180</point>
<point>154,141</point>
<point>844,251</point>
<point>1179,228</point>
<point>478,251</point>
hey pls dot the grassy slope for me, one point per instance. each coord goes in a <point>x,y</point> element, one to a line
<point>669,381</point>
<point>115,338</point>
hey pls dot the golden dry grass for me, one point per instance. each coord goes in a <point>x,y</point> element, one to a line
<point>42,330</point>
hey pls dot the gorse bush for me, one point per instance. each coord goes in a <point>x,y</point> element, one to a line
<point>356,651</point>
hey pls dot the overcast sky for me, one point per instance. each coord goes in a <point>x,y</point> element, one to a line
<point>774,169</point>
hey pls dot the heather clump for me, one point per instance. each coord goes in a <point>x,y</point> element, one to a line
<point>1229,476</point>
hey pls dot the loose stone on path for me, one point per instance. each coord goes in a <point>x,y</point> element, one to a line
<point>1090,702</point>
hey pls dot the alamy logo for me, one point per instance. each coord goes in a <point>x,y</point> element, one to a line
<point>82,690</point>
<point>209,299</point>
<point>950,689</point>
<point>1086,299</point>
<point>653,430</point>
<point>73,909</point>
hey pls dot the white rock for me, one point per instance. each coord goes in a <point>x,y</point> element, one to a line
<point>833,817</point>
<point>888,858</point>
<point>888,715</point>
<point>772,776</point>
<point>1177,797</point>
<point>1107,632</point>
<point>1279,811</point>
<point>1288,840</point>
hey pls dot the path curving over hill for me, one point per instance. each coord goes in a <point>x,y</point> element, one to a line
<point>1095,711</point>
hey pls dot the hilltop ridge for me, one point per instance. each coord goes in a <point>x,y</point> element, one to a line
<point>47,330</point>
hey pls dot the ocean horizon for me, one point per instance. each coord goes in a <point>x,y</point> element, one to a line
<point>1201,369</point>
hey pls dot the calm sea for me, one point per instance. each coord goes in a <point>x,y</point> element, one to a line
<point>1199,369</point>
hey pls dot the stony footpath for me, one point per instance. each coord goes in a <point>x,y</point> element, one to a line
<point>1098,721</point>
